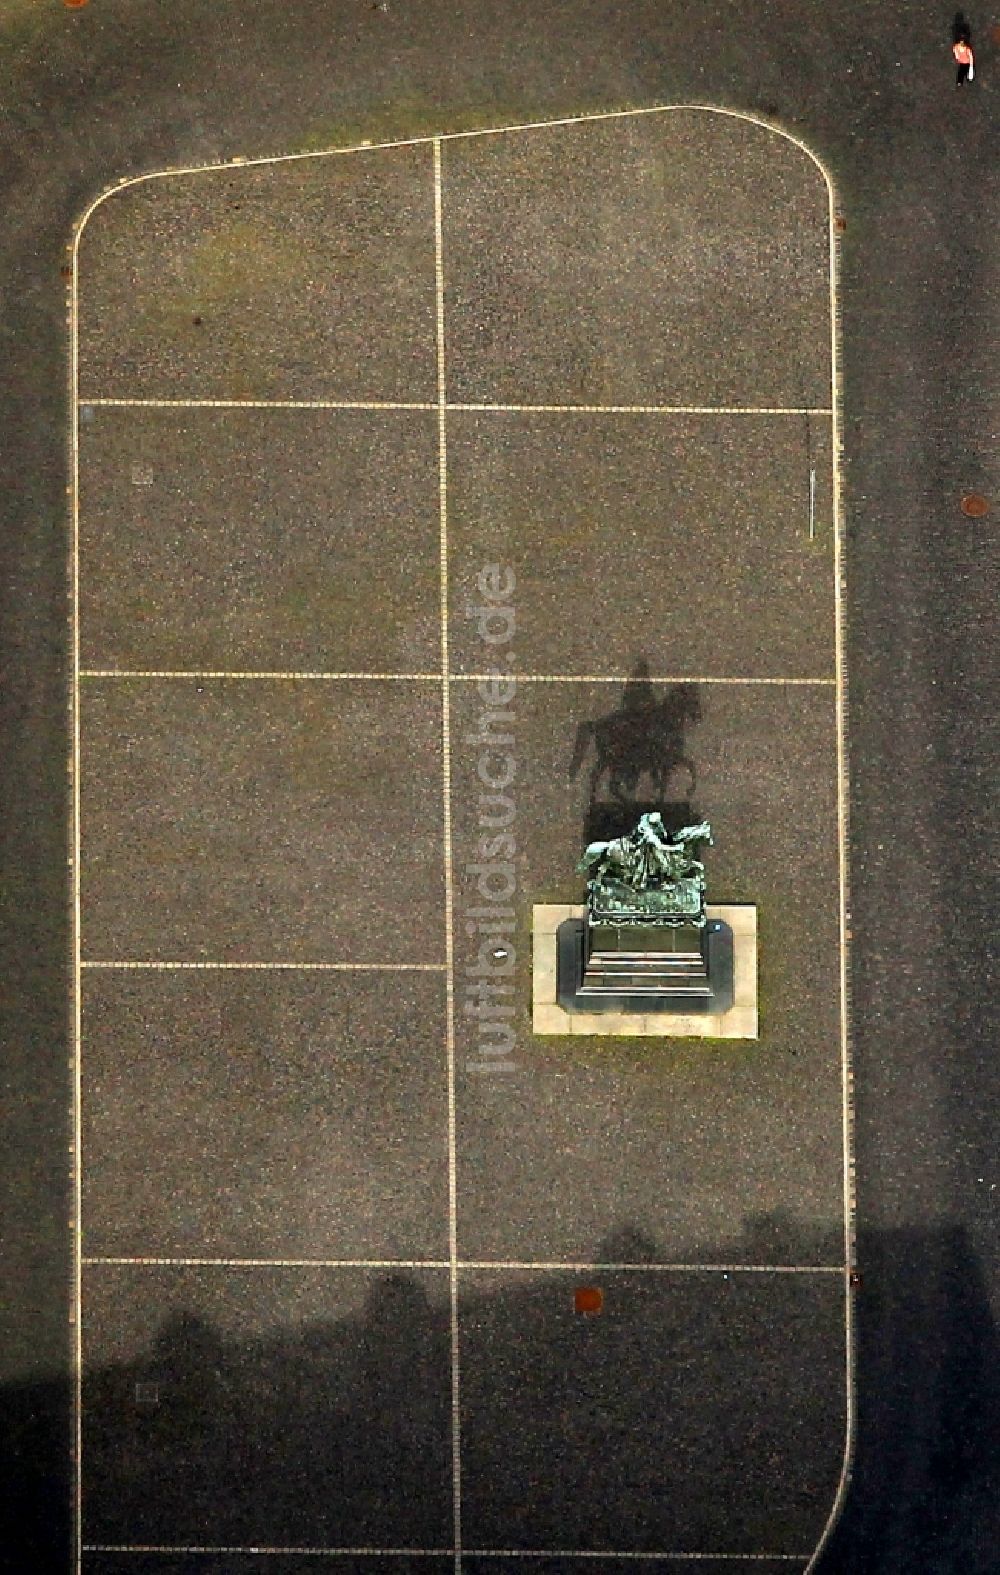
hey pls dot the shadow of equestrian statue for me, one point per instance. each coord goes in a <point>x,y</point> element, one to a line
<point>644,738</point>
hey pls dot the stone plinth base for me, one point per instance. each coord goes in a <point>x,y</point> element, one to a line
<point>739,1021</point>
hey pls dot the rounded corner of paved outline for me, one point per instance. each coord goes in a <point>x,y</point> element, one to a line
<point>115,188</point>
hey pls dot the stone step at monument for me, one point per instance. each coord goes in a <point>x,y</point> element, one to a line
<point>668,959</point>
<point>646,960</point>
<point>636,984</point>
<point>650,968</point>
<point>656,973</point>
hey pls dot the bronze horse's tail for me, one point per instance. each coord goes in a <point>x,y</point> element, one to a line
<point>584,734</point>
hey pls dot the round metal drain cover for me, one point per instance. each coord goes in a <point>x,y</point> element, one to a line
<point>975,505</point>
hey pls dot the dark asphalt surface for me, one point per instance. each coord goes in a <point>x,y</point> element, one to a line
<point>118,87</point>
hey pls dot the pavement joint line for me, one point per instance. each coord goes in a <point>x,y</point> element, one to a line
<point>654,410</point>
<point>263,675</point>
<point>437,1553</point>
<point>843,835</point>
<point>75,1440</point>
<point>260,675</point>
<point>315,1553</point>
<point>449,884</point>
<point>636,1554</point>
<point>263,404</point>
<point>387,404</point>
<point>269,967</point>
<point>657,1268</point>
<point>264,1263</point>
<point>463,1265</point>
<point>622,678</point>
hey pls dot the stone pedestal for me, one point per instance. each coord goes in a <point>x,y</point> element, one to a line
<point>644,967</point>
<point>674,985</point>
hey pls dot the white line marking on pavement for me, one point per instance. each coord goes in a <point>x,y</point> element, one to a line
<point>847,1075</point>
<point>588,1553</point>
<point>76,1447</point>
<point>623,678</point>
<point>437,1553</point>
<point>263,675</point>
<point>449,894</point>
<point>225,166</point>
<point>485,409</point>
<point>464,1265</point>
<point>256,1550</point>
<point>272,967</point>
<point>655,1268</point>
<point>260,404</point>
<point>654,410</point>
<point>266,1263</point>
<point>259,675</point>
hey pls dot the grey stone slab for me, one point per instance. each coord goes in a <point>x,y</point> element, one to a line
<point>295,1408</point>
<point>670,259</point>
<point>573,1148</point>
<point>312,279</point>
<point>251,539</point>
<point>255,821</point>
<point>274,1115</point>
<point>685,539</point>
<point>692,1413</point>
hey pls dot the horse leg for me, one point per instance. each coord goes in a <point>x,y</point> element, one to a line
<point>584,733</point>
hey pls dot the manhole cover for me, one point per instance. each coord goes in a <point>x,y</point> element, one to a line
<point>975,505</point>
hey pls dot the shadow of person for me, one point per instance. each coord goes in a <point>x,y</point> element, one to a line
<point>638,693</point>
<point>779,1236</point>
<point>961,32</point>
<point>628,1244</point>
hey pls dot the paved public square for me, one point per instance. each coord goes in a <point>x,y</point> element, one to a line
<point>355,433</point>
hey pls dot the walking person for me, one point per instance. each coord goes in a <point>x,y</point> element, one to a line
<point>964,58</point>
